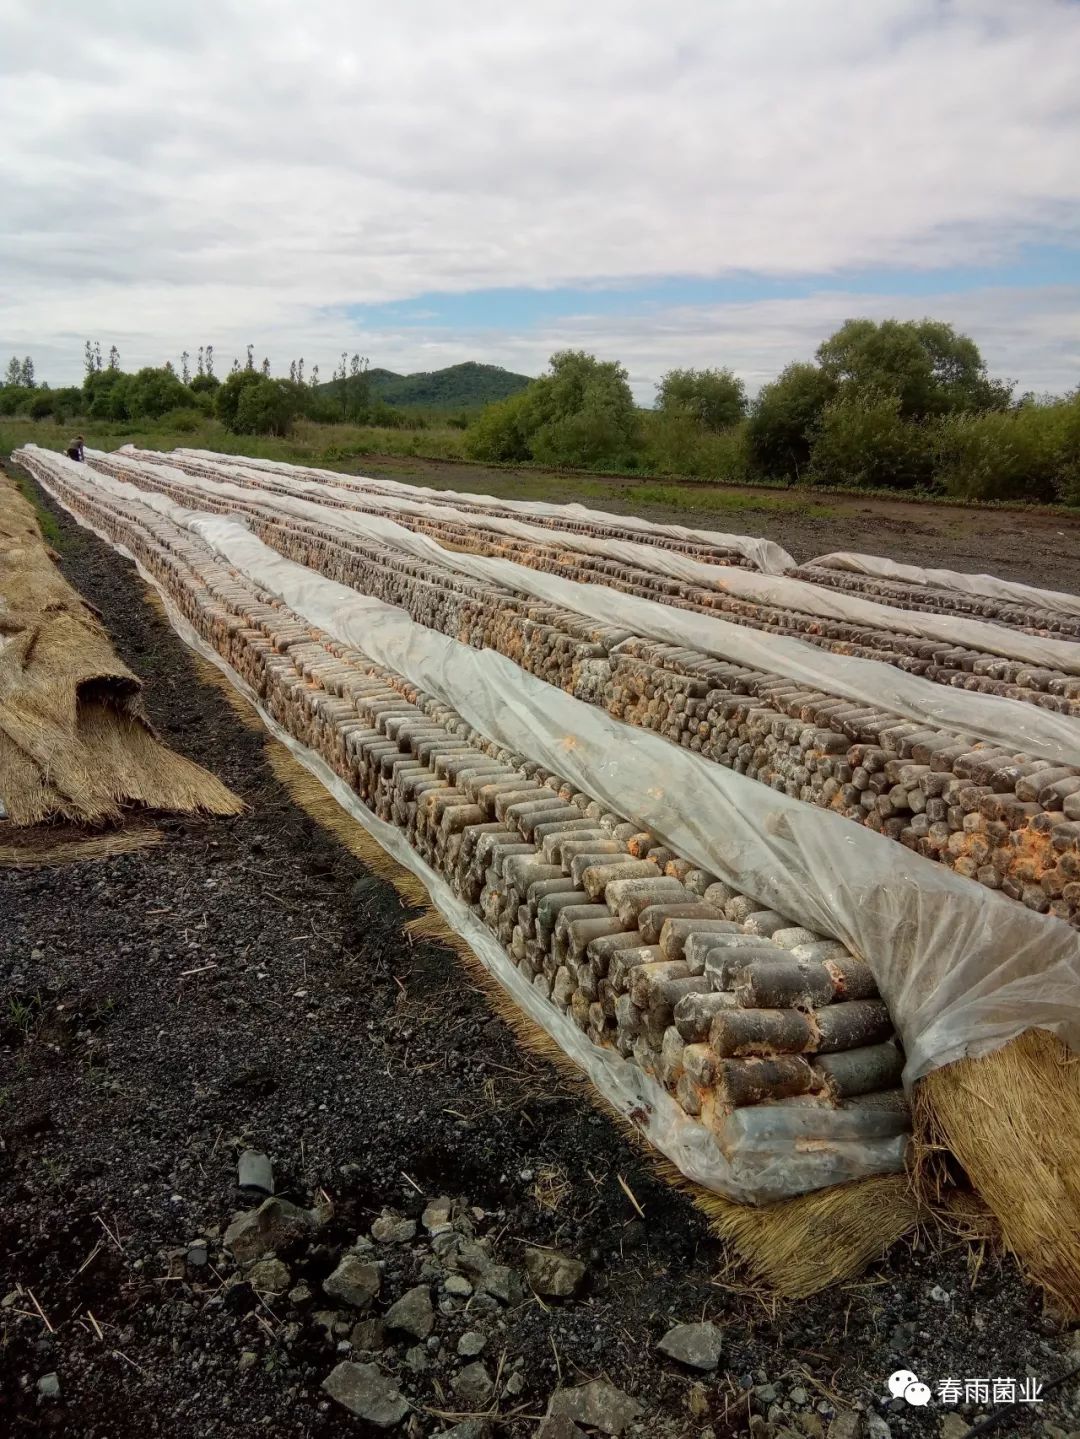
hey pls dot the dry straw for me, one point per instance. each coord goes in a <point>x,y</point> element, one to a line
<point>75,744</point>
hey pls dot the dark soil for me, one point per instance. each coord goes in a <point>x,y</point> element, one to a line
<point>247,983</point>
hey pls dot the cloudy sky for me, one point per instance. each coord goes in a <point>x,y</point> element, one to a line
<point>705,182</point>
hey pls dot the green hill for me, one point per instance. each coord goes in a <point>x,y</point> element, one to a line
<point>458,387</point>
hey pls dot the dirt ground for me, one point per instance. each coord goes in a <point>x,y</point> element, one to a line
<point>1035,546</point>
<point>247,983</point>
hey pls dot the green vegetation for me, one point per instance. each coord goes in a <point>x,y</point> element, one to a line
<point>459,387</point>
<point>883,407</point>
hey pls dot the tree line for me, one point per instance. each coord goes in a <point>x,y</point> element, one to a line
<point>890,404</point>
<point>902,405</point>
<point>250,400</point>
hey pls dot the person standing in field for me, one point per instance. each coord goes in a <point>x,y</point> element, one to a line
<point>76,450</point>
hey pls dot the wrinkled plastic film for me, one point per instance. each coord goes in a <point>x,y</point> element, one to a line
<point>770,588</point>
<point>765,554</point>
<point>767,1153</point>
<point>987,586</point>
<point>962,969</point>
<point>1012,724</point>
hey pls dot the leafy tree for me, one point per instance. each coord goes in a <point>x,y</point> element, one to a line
<point>581,411</point>
<point>716,399</point>
<point>250,357</point>
<point>314,375</point>
<point>266,367</point>
<point>114,358</point>
<point>105,394</point>
<point>13,377</point>
<point>1028,453</point>
<point>499,434</point>
<point>88,358</point>
<point>300,370</point>
<point>210,360</point>
<point>27,373</point>
<point>97,354</point>
<point>200,365</point>
<point>227,398</point>
<point>267,407</point>
<point>204,384</point>
<point>151,392</point>
<point>785,417</point>
<point>234,368</point>
<point>292,372</point>
<point>185,368</point>
<point>863,439</point>
<point>925,363</point>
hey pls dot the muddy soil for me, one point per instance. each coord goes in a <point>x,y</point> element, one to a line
<point>248,984</point>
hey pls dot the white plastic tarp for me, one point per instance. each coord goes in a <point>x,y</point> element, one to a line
<point>985,586</point>
<point>1014,725</point>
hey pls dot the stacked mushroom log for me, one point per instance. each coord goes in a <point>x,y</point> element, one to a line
<point>940,661</point>
<point>1007,820</point>
<point>1030,618</point>
<point>724,1003</point>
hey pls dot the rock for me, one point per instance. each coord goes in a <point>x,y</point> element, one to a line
<point>695,1345</point>
<point>392,1229</point>
<point>458,1286</point>
<point>471,1344</point>
<point>253,1172</point>
<point>698,1401</point>
<point>354,1281</point>
<point>558,1426</point>
<point>799,1395</point>
<point>368,1334</point>
<point>366,1391</point>
<point>300,1294</point>
<point>417,1359</point>
<point>436,1217</point>
<point>597,1404</point>
<point>514,1385</point>
<point>248,1359</point>
<point>501,1283</point>
<point>876,1428</point>
<point>954,1426</point>
<point>325,1319</point>
<point>470,1429</point>
<point>939,1295</point>
<point>48,1386</point>
<point>553,1274</point>
<point>811,1425</point>
<point>274,1225</point>
<point>198,1254</point>
<point>473,1384</point>
<point>413,1313</point>
<point>849,1425</point>
<point>269,1276</point>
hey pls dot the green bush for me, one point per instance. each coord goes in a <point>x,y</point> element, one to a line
<point>151,393</point>
<point>715,399</point>
<point>1031,452</point>
<point>227,396</point>
<point>42,405</point>
<point>184,422</point>
<point>676,444</point>
<point>497,435</point>
<point>863,440</point>
<point>266,408</point>
<point>785,416</point>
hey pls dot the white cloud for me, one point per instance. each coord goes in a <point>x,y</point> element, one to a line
<point>228,171</point>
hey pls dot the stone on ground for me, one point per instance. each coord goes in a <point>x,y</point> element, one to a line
<point>366,1391</point>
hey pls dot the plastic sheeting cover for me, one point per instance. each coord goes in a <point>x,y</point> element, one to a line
<point>962,969</point>
<point>766,554</point>
<point>1012,724</point>
<point>770,587</point>
<point>988,586</point>
<point>766,1154</point>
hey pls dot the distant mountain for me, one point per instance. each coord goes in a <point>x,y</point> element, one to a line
<point>466,386</point>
